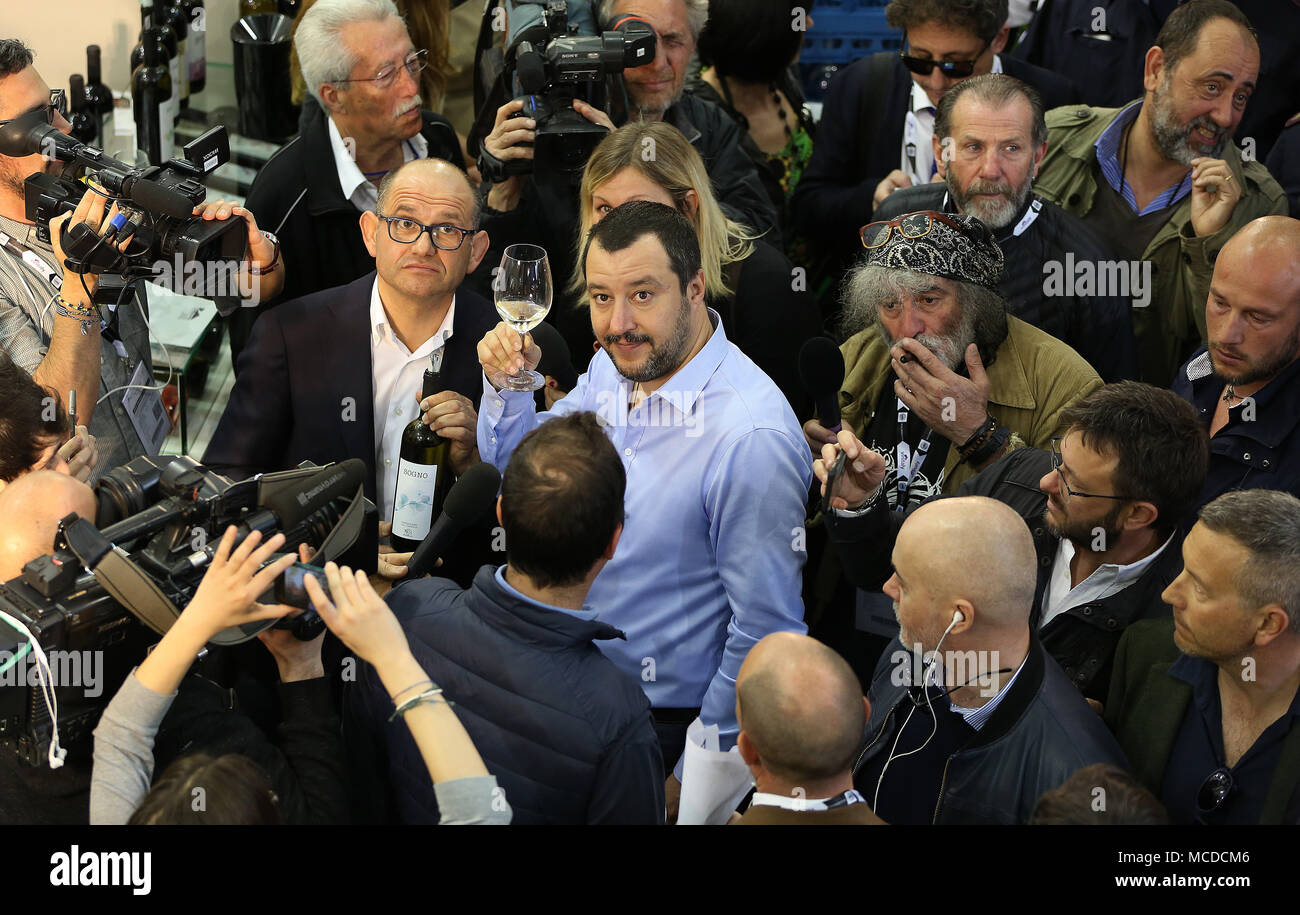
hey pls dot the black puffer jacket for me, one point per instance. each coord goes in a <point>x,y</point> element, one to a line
<point>567,734</point>
<point>1097,327</point>
<point>1083,639</point>
<point>1040,734</point>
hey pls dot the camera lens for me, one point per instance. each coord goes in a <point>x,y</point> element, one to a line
<point>124,491</point>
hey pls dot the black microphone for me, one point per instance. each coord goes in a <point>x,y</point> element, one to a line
<point>472,497</point>
<point>294,505</point>
<point>530,68</point>
<point>821,369</point>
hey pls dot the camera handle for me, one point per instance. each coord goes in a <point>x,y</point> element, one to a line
<point>120,576</point>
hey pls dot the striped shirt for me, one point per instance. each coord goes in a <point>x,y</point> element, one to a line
<point>1112,169</point>
<point>27,321</point>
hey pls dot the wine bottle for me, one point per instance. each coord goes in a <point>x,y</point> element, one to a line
<point>254,7</point>
<point>196,50</point>
<point>172,17</point>
<point>152,30</point>
<point>79,116</point>
<point>151,93</point>
<point>99,98</point>
<point>423,476</point>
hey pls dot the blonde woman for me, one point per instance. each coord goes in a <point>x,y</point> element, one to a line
<point>750,283</point>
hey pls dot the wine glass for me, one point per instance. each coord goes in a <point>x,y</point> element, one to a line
<point>522,291</point>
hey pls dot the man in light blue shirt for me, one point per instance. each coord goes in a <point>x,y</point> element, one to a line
<point>718,472</point>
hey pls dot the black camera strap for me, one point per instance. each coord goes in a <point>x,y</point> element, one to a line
<point>129,585</point>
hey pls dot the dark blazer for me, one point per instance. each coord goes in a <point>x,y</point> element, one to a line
<point>568,735</point>
<point>833,199</point>
<point>1146,708</point>
<point>304,390</point>
<point>297,195</point>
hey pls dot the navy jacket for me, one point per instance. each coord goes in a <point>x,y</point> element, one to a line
<point>1097,327</point>
<point>1262,452</point>
<point>833,199</point>
<point>304,389</point>
<point>1284,163</point>
<point>567,734</point>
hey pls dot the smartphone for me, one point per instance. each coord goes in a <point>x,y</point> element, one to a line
<point>289,587</point>
<point>832,482</point>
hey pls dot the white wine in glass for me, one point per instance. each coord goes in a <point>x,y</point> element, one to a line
<point>522,291</point>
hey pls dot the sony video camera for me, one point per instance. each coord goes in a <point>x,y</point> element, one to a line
<point>111,588</point>
<point>156,206</point>
<point>553,65</point>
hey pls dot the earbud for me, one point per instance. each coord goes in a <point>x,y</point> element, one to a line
<point>958,617</point>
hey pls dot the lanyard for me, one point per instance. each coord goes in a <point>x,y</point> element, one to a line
<point>907,463</point>
<point>800,804</point>
<point>31,259</point>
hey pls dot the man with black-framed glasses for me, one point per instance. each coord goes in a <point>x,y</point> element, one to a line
<point>338,374</point>
<point>1207,705</point>
<point>362,119</point>
<point>877,122</point>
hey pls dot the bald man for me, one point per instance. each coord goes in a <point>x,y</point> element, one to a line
<point>801,713</point>
<point>338,374</point>
<point>998,722</point>
<point>30,510</point>
<point>1245,384</point>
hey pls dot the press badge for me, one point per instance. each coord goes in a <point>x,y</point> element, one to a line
<point>145,408</point>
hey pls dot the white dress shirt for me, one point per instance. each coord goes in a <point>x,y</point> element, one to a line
<point>397,377</point>
<point>917,156</point>
<point>1106,580</point>
<point>356,187</point>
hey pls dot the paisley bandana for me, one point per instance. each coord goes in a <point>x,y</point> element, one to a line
<point>930,242</point>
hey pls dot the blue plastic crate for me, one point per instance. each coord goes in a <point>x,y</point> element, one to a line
<point>841,35</point>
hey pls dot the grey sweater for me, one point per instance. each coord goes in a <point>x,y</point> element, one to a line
<point>123,767</point>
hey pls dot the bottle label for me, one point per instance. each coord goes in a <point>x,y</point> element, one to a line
<point>413,500</point>
<point>196,53</point>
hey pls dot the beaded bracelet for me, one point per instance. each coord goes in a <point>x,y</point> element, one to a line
<point>977,440</point>
<point>86,315</point>
<point>430,695</point>
<point>991,447</point>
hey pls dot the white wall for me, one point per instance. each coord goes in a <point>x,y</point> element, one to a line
<point>59,30</point>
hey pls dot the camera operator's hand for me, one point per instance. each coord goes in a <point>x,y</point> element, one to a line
<point>358,616</point>
<point>261,254</point>
<point>453,417</point>
<point>504,143</point>
<point>295,659</point>
<point>503,350</point>
<point>593,114</point>
<point>90,210</point>
<point>80,454</point>
<point>226,597</point>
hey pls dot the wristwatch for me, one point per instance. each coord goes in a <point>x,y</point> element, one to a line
<point>275,258</point>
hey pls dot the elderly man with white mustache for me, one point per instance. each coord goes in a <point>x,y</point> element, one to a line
<point>363,119</point>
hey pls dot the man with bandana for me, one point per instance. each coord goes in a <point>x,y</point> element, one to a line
<point>1161,179</point>
<point>938,377</point>
<point>989,138</point>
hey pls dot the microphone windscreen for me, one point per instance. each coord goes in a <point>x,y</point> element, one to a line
<point>821,366</point>
<point>294,504</point>
<point>473,495</point>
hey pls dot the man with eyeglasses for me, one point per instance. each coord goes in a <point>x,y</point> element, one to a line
<point>363,119</point>
<point>875,132</point>
<point>1104,504</point>
<point>1207,705</point>
<point>338,374</point>
<point>1161,179</point>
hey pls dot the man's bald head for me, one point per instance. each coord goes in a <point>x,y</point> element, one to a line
<point>801,707</point>
<point>30,510</point>
<point>1267,249</point>
<point>972,548</point>
<point>431,169</point>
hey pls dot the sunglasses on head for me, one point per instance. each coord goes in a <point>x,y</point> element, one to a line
<point>953,69</point>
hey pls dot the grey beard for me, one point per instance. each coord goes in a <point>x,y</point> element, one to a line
<point>1174,141</point>
<point>995,216</point>
<point>950,348</point>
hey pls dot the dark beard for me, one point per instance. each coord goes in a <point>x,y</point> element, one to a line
<point>1267,368</point>
<point>1174,140</point>
<point>660,362</point>
<point>1082,534</point>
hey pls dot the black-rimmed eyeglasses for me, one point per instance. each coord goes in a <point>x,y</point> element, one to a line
<point>414,63</point>
<point>445,236</point>
<point>58,104</point>
<point>1058,461</point>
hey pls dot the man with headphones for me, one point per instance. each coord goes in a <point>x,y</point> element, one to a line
<point>971,720</point>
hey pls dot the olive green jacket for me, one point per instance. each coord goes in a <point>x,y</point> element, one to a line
<point>1170,327</point>
<point>1033,378</point>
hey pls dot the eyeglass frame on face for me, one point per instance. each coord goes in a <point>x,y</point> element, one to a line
<point>385,78</point>
<point>1058,462</point>
<point>464,233</point>
<point>58,103</point>
<point>947,67</point>
<point>931,216</point>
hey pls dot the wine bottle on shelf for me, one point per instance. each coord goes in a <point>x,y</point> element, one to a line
<point>253,7</point>
<point>172,17</point>
<point>423,475</point>
<point>79,116</point>
<point>151,30</point>
<point>196,49</point>
<point>151,93</point>
<point>99,98</point>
